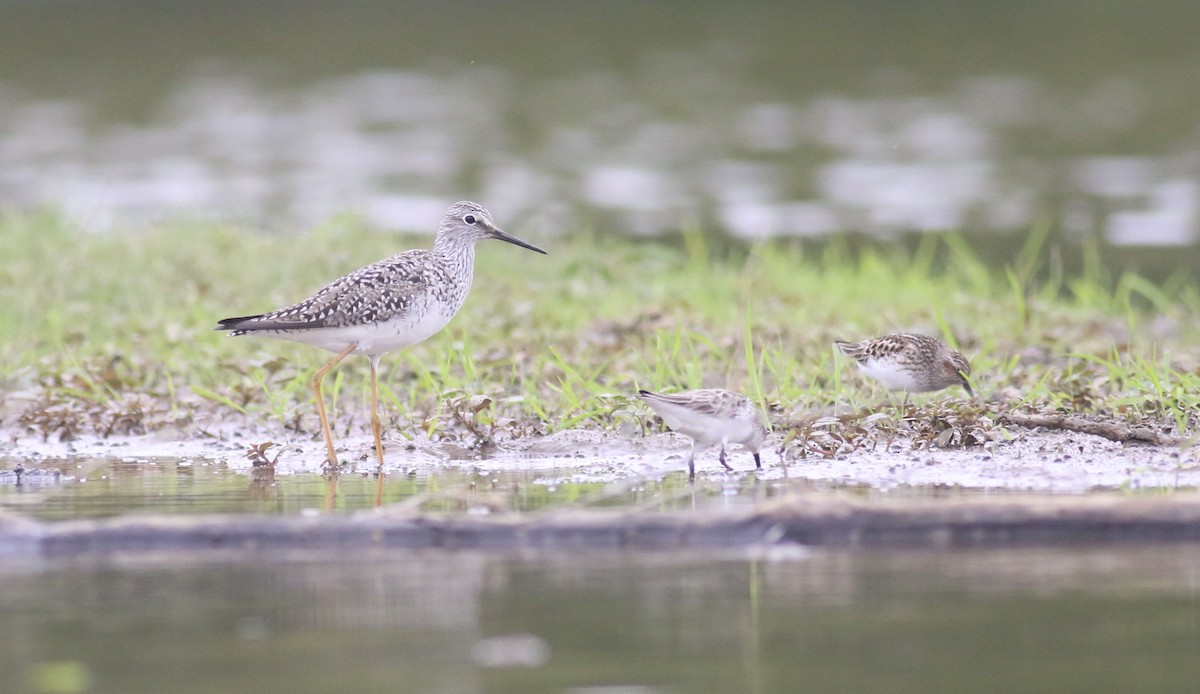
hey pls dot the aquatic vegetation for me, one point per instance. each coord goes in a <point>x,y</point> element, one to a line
<point>107,334</point>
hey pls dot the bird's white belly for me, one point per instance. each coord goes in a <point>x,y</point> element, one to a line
<point>889,373</point>
<point>374,338</point>
<point>689,423</point>
<point>705,428</point>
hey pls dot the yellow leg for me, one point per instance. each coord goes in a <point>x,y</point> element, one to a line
<point>316,386</point>
<point>331,458</point>
<point>377,428</point>
<point>331,491</point>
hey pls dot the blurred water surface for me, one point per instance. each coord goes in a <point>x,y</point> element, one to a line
<point>1083,619</point>
<point>781,617</point>
<point>756,118</point>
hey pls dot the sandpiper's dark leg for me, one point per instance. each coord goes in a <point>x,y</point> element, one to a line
<point>691,461</point>
<point>377,427</point>
<point>757,462</point>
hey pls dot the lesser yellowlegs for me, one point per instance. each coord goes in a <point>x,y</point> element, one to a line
<point>709,416</point>
<point>912,363</point>
<point>383,307</point>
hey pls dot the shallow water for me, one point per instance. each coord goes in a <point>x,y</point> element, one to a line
<point>96,477</point>
<point>81,488</point>
<point>780,617</point>
<point>1095,620</point>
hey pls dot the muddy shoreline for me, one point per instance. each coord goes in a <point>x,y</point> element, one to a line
<point>1027,487</point>
<point>1018,459</point>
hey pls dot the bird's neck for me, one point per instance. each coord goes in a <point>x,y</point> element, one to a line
<point>457,258</point>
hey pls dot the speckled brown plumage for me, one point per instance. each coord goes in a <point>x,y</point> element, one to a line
<point>912,363</point>
<point>417,292</point>
<point>385,306</point>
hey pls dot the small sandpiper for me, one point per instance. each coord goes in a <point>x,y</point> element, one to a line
<point>912,363</point>
<point>383,307</point>
<point>709,416</point>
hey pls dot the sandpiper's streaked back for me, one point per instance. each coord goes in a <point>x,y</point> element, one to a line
<point>385,306</point>
<point>912,363</point>
<point>709,416</point>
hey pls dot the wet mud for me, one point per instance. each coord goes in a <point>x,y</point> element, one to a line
<point>1031,460</point>
<point>1025,489</point>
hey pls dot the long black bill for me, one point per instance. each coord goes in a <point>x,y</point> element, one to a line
<point>966,385</point>
<point>505,236</point>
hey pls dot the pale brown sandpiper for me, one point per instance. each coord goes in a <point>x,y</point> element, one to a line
<point>709,416</point>
<point>911,363</point>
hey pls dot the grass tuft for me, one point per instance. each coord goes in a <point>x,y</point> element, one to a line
<point>106,334</point>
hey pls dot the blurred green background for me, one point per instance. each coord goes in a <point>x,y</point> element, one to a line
<point>754,119</point>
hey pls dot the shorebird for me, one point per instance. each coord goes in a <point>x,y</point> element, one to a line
<point>385,306</point>
<point>912,363</point>
<point>710,416</point>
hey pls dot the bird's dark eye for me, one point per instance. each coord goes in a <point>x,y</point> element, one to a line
<point>469,219</point>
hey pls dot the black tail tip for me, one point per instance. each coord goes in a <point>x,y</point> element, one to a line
<point>644,393</point>
<point>233,323</point>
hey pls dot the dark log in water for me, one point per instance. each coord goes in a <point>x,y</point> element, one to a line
<point>819,521</point>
